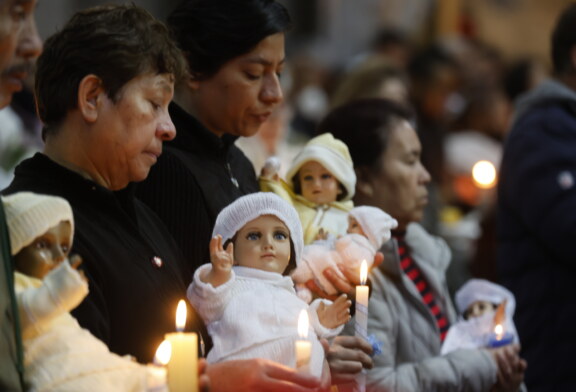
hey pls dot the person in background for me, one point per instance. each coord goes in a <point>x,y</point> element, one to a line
<point>19,44</point>
<point>410,309</point>
<point>235,53</point>
<point>536,223</point>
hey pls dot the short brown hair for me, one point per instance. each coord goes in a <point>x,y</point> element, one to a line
<point>115,42</point>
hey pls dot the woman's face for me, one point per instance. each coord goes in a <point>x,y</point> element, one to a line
<point>399,188</point>
<point>244,92</point>
<point>129,137</point>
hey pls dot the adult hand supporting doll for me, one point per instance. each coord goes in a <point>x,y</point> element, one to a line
<point>511,368</point>
<point>258,374</point>
<point>346,286</point>
<point>347,356</point>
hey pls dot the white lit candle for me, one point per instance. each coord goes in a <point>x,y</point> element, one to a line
<point>303,345</point>
<point>156,375</point>
<point>183,365</point>
<point>361,316</point>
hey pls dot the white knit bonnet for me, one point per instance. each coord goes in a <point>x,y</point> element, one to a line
<point>30,215</point>
<point>331,153</point>
<point>482,290</point>
<point>375,223</point>
<point>249,207</point>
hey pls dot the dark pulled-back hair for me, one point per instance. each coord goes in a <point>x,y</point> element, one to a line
<point>563,40</point>
<point>213,32</point>
<point>114,42</point>
<point>364,126</point>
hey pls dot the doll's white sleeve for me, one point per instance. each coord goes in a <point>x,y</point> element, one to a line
<point>209,301</point>
<point>61,291</point>
<point>321,330</point>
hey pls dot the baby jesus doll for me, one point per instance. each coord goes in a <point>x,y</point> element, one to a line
<point>486,311</point>
<point>245,297</point>
<point>368,229</point>
<point>320,184</point>
<point>59,355</point>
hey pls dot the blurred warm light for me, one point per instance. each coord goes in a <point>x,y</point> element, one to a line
<point>303,324</point>
<point>484,174</point>
<point>163,353</point>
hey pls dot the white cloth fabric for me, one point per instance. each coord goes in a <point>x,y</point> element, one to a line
<point>255,315</point>
<point>61,356</point>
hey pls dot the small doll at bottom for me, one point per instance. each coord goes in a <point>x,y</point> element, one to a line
<point>59,355</point>
<point>368,229</point>
<point>485,317</point>
<point>245,296</point>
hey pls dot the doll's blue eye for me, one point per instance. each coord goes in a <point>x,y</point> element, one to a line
<point>253,236</point>
<point>280,235</point>
<point>326,176</point>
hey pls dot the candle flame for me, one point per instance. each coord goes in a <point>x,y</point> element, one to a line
<point>181,316</point>
<point>163,353</point>
<point>363,272</point>
<point>303,324</point>
<point>499,331</point>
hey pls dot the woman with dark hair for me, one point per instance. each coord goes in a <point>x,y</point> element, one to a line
<point>410,309</point>
<point>235,52</point>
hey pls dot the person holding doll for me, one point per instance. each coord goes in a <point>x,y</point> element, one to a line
<point>59,354</point>
<point>320,184</point>
<point>245,296</point>
<point>368,229</point>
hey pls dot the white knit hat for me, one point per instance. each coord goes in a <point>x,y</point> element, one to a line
<point>29,215</point>
<point>331,153</point>
<point>249,207</point>
<point>482,290</point>
<point>375,223</point>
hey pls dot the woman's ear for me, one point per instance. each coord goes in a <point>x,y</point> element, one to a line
<point>364,182</point>
<point>90,92</point>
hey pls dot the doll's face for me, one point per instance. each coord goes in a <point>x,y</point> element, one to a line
<point>354,226</point>
<point>263,243</point>
<point>318,185</point>
<point>479,308</point>
<point>46,252</point>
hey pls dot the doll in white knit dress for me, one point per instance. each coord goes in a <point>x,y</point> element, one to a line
<point>59,355</point>
<point>368,229</point>
<point>244,296</point>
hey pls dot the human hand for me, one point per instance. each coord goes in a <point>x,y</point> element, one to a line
<point>75,261</point>
<point>258,375</point>
<point>335,314</point>
<point>203,378</point>
<point>347,356</point>
<point>511,368</point>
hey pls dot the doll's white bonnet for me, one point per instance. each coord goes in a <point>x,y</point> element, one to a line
<point>249,207</point>
<point>29,215</point>
<point>333,154</point>
<point>375,223</point>
<point>482,290</point>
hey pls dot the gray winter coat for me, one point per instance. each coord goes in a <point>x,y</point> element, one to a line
<point>410,358</point>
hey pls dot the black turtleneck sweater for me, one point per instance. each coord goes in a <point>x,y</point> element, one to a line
<point>197,175</point>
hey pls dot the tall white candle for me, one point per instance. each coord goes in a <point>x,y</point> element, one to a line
<point>183,365</point>
<point>303,345</point>
<point>361,316</point>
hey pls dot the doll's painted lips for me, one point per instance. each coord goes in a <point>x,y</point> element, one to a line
<point>268,256</point>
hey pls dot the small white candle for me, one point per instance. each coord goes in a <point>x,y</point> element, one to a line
<point>303,345</point>
<point>156,375</point>
<point>183,365</point>
<point>361,316</point>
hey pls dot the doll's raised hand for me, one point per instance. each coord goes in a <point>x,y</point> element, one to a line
<point>75,261</point>
<point>271,168</point>
<point>336,314</point>
<point>222,262</point>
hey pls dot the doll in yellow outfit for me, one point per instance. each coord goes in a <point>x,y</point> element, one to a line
<point>320,185</point>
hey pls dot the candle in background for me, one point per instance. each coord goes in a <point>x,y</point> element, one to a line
<point>303,345</point>
<point>156,375</point>
<point>183,365</point>
<point>361,316</point>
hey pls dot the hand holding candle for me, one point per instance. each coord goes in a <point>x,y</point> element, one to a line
<point>303,345</point>
<point>183,365</point>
